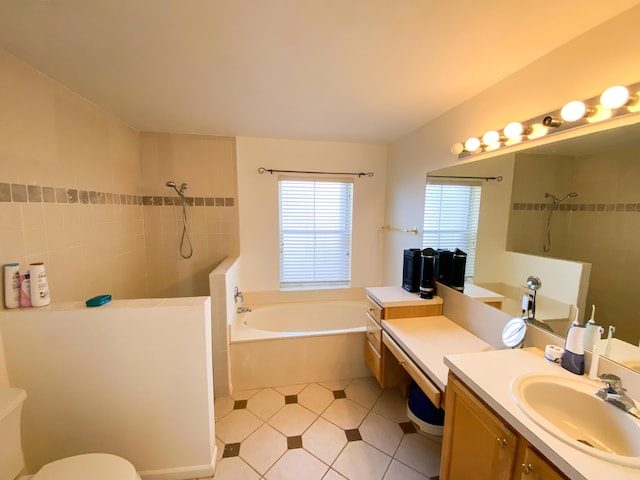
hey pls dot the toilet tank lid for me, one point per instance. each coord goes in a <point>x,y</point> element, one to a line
<point>10,399</point>
<point>95,466</point>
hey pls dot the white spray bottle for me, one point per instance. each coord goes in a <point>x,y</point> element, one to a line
<point>573,356</point>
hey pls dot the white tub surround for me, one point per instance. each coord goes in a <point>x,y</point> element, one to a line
<point>300,342</point>
<point>489,376</point>
<point>132,378</point>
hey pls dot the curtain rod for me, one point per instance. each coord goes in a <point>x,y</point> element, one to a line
<point>497,179</point>
<point>262,170</point>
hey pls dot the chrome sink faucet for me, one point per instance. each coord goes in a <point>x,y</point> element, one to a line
<point>614,393</point>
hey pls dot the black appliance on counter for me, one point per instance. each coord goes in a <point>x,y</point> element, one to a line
<point>459,266</point>
<point>411,269</point>
<point>427,277</point>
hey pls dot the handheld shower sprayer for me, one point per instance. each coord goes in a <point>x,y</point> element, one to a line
<point>185,234</point>
<point>555,201</point>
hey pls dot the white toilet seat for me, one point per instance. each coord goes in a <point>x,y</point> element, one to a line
<point>94,466</point>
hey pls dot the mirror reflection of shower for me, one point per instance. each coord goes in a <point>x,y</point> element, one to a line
<point>554,202</point>
<point>186,251</point>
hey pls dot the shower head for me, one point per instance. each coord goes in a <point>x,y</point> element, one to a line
<point>557,200</point>
<point>173,185</point>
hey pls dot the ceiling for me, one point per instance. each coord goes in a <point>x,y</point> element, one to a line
<point>353,70</point>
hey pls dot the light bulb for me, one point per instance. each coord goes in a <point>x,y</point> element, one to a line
<point>472,144</point>
<point>573,111</point>
<point>601,113</point>
<point>538,130</point>
<point>513,130</point>
<point>614,97</point>
<point>491,137</point>
<point>457,148</point>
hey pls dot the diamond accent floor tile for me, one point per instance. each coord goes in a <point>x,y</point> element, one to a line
<point>345,413</point>
<point>295,465</point>
<point>239,404</point>
<point>292,419</point>
<point>289,399</point>
<point>353,435</point>
<point>339,394</point>
<point>294,442</point>
<point>263,448</point>
<point>231,450</point>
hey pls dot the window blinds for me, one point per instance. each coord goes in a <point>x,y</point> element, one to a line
<point>451,219</point>
<point>315,231</point>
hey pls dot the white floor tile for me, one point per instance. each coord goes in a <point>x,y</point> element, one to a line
<point>297,464</point>
<point>333,475</point>
<point>315,397</point>
<point>263,448</point>
<point>243,394</point>
<point>290,389</point>
<point>265,403</point>
<point>392,405</point>
<point>364,391</point>
<point>222,406</point>
<point>399,471</point>
<point>237,426</point>
<point>345,413</point>
<point>381,432</point>
<point>336,384</point>
<point>420,453</point>
<point>234,468</point>
<point>360,461</point>
<point>292,419</point>
<point>324,440</point>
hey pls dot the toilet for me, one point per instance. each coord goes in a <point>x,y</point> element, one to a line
<point>96,466</point>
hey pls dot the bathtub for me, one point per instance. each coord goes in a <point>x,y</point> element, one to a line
<point>296,343</point>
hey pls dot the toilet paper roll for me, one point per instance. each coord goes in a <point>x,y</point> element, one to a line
<point>553,353</point>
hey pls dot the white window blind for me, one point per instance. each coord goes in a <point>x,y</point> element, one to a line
<point>315,232</point>
<point>451,214</point>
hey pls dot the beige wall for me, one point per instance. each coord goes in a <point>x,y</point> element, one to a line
<point>259,203</point>
<point>208,165</point>
<point>73,173</point>
<point>582,68</point>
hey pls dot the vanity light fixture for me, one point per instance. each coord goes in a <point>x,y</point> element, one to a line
<point>614,102</point>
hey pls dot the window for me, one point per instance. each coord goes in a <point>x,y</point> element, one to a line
<point>315,232</point>
<point>451,214</point>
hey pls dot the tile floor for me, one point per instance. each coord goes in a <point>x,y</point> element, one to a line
<point>346,429</point>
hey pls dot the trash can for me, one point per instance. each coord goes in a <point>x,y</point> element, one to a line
<point>423,413</point>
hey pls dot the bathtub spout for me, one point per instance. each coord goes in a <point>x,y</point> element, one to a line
<point>243,309</point>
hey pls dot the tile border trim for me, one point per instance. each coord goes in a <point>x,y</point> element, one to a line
<point>577,207</point>
<point>20,193</point>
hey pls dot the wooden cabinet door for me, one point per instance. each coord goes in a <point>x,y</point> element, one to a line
<point>477,444</point>
<point>533,466</point>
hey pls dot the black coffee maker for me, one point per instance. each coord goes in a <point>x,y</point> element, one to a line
<point>411,269</point>
<point>427,278</point>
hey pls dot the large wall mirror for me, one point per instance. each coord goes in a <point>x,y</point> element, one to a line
<point>569,213</point>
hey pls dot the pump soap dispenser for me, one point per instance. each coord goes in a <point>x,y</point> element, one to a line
<point>573,356</point>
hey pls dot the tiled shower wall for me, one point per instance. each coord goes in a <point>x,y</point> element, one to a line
<point>207,164</point>
<point>600,226</point>
<point>71,188</point>
<point>72,195</point>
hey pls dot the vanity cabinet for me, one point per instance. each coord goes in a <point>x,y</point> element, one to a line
<point>478,444</point>
<point>384,366</point>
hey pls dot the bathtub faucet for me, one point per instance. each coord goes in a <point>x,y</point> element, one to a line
<point>243,309</point>
<point>237,295</point>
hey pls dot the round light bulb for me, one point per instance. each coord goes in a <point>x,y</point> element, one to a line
<point>491,137</point>
<point>538,130</point>
<point>614,97</point>
<point>573,111</point>
<point>457,148</point>
<point>472,144</point>
<point>513,130</point>
<point>601,113</point>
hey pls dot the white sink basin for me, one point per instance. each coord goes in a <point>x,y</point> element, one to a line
<point>569,410</point>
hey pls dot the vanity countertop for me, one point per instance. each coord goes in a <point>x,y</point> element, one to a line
<point>398,297</point>
<point>426,340</point>
<point>489,375</point>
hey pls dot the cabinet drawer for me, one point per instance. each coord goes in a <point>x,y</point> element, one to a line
<point>373,359</point>
<point>374,333</point>
<point>430,390</point>
<point>374,310</point>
